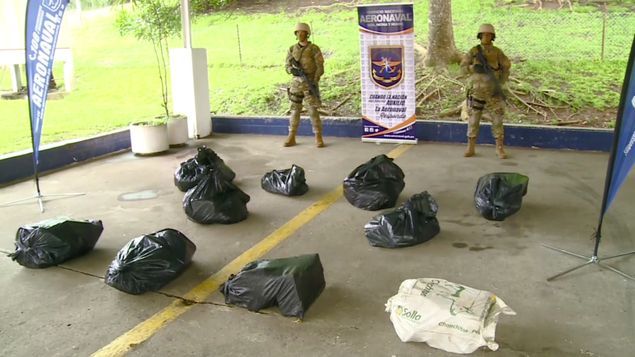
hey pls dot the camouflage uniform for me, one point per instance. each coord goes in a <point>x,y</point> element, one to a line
<point>312,63</point>
<point>481,90</point>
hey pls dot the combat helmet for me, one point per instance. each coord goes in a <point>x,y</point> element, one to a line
<point>486,28</point>
<point>301,26</point>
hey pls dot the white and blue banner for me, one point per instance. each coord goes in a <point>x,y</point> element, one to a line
<point>623,154</point>
<point>386,38</point>
<point>43,23</point>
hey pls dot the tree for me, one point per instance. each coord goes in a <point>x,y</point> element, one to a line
<point>206,6</point>
<point>441,48</point>
<point>154,21</point>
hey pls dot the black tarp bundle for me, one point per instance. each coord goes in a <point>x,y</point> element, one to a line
<point>215,200</point>
<point>499,195</point>
<point>148,262</point>
<point>54,241</point>
<point>190,172</point>
<point>292,284</point>
<point>289,182</point>
<point>412,223</point>
<point>375,184</point>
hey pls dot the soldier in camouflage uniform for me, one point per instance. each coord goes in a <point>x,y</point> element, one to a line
<point>306,63</point>
<point>483,90</point>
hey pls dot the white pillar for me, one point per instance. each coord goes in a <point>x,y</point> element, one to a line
<point>16,77</point>
<point>190,89</point>
<point>186,23</point>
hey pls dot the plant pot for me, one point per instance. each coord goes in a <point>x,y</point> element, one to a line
<point>177,130</point>
<point>149,137</point>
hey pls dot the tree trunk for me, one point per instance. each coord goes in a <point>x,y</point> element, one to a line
<point>441,48</point>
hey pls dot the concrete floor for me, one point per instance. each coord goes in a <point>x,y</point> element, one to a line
<point>61,312</point>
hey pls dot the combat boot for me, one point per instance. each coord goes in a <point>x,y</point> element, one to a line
<point>294,122</point>
<point>318,139</point>
<point>317,126</point>
<point>471,146</point>
<point>500,151</point>
<point>290,139</point>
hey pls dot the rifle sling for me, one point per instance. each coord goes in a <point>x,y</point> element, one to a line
<point>488,69</point>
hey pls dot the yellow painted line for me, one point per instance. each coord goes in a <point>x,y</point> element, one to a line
<point>144,330</point>
<point>398,151</point>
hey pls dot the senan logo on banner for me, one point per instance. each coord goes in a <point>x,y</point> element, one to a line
<point>388,84</point>
<point>43,22</point>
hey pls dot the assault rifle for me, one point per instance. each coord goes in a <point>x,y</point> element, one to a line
<point>487,69</point>
<point>297,70</point>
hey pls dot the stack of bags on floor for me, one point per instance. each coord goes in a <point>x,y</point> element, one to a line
<point>375,185</point>
<point>449,316</point>
<point>150,261</point>
<point>423,309</point>
<point>146,263</point>
<point>210,196</point>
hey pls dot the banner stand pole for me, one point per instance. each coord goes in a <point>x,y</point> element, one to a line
<point>39,52</point>
<point>590,260</point>
<point>39,196</point>
<point>40,199</point>
<point>615,174</point>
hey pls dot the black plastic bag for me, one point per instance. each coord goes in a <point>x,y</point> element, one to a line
<point>191,171</point>
<point>208,157</point>
<point>375,184</point>
<point>293,284</point>
<point>289,182</point>
<point>188,174</point>
<point>412,223</point>
<point>215,200</point>
<point>499,195</point>
<point>54,241</point>
<point>148,262</point>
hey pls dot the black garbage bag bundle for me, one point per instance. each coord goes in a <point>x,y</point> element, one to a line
<point>208,157</point>
<point>289,182</point>
<point>215,200</point>
<point>499,195</point>
<point>412,223</point>
<point>375,184</point>
<point>292,284</point>
<point>54,241</point>
<point>148,262</point>
<point>190,172</point>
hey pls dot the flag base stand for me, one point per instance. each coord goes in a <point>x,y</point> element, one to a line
<point>590,260</point>
<point>41,199</point>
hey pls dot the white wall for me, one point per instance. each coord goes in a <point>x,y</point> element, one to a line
<point>12,17</point>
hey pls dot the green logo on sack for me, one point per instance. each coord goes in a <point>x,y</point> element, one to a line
<point>407,313</point>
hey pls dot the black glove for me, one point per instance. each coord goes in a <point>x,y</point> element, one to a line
<point>296,71</point>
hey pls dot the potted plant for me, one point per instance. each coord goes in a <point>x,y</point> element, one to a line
<point>155,21</point>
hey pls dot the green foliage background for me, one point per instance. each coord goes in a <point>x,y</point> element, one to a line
<point>116,81</point>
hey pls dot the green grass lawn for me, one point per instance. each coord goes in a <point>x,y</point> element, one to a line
<point>116,79</point>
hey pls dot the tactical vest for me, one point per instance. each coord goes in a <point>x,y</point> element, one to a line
<point>492,54</point>
<point>306,56</point>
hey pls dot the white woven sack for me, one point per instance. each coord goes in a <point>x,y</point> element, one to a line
<point>445,315</point>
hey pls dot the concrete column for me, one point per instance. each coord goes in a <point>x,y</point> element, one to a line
<point>16,77</point>
<point>190,89</point>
